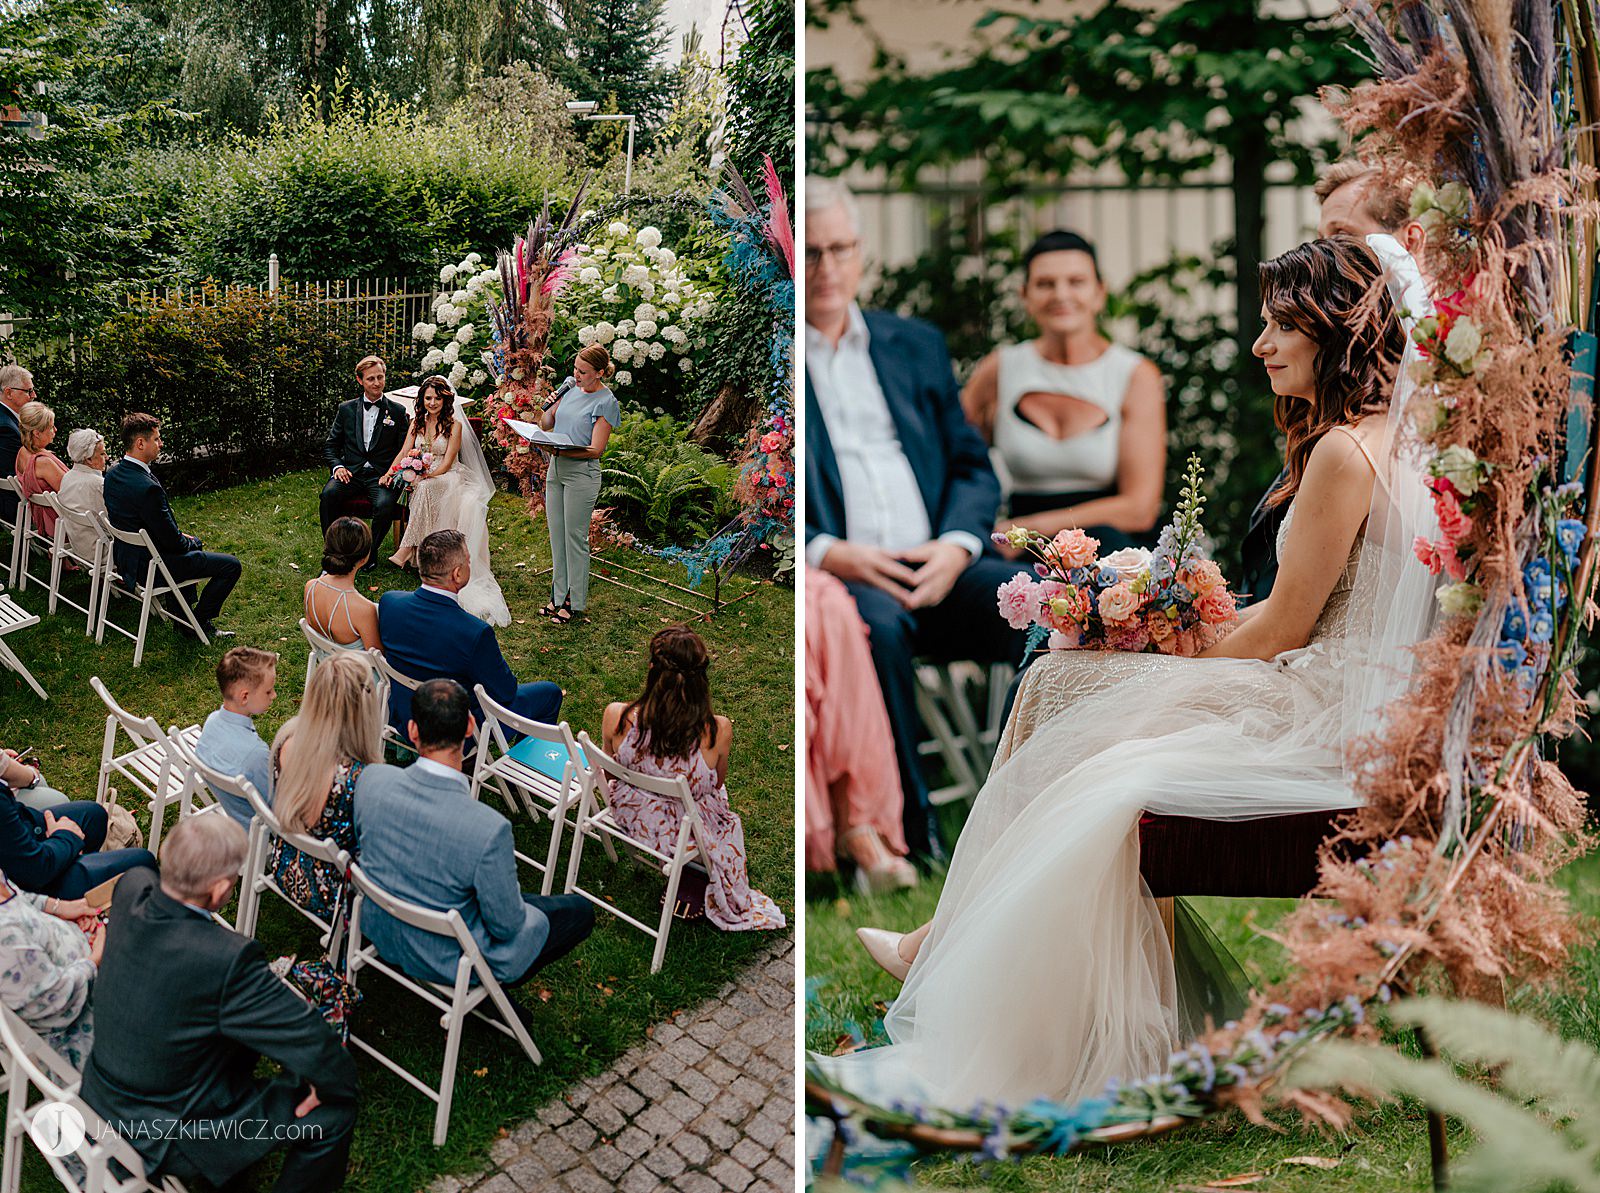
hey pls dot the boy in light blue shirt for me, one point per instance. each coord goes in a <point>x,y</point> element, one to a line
<point>229,742</point>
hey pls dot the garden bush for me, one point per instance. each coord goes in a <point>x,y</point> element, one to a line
<point>245,384</point>
<point>665,489</point>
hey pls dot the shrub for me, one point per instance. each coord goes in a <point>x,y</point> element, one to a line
<point>662,487</point>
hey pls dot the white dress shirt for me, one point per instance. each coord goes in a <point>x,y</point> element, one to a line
<point>429,766</point>
<point>444,592</point>
<point>883,505</point>
<point>369,420</point>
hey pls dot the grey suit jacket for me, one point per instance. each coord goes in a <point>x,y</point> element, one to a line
<point>423,837</point>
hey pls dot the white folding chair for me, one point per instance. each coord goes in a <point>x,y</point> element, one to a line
<point>13,527</point>
<point>947,695</point>
<point>60,553</point>
<point>394,679</point>
<point>159,766</point>
<point>321,647</point>
<point>38,1077</point>
<point>595,820</point>
<point>540,796</point>
<point>14,617</point>
<point>158,583</point>
<point>454,1002</point>
<point>30,540</point>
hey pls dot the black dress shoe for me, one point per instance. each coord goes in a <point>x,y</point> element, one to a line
<point>370,566</point>
<point>214,633</point>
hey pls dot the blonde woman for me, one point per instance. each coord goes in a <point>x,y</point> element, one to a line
<point>39,470</point>
<point>316,759</point>
<point>585,411</point>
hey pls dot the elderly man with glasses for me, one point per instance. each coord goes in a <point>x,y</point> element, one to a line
<point>900,497</point>
<point>16,391</point>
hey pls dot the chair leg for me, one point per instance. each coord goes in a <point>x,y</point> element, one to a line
<point>576,856</point>
<point>558,824</point>
<point>670,899</point>
<point>8,658</point>
<point>144,625</point>
<point>452,1051</point>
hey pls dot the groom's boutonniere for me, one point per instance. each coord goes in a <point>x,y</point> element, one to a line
<point>388,420</point>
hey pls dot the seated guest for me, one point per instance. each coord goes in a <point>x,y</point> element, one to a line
<point>1077,422</point>
<point>333,607</point>
<point>316,759</point>
<point>50,950</point>
<point>26,782</point>
<point>38,469</point>
<point>853,799</point>
<point>428,635</point>
<point>16,391</point>
<point>84,488</point>
<point>57,851</point>
<point>670,731</point>
<point>136,501</point>
<point>900,495</point>
<point>174,1059</point>
<point>228,741</point>
<point>425,839</point>
<point>365,435</point>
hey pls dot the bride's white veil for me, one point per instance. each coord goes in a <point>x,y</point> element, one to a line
<point>482,596</point>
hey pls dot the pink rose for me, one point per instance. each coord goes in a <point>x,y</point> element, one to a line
<point>771,442</point>
<point>1119,602</point>
<point>1453,565</point>
<point>1216,606</point>
<point>1453,523</point>
<point>1428,554</point>
<point>1074,548</point>
<point>1019,601</point>
<point>1202,576</point>
<point>1065,639</point>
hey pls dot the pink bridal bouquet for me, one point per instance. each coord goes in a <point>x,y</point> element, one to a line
<point>413,467</point>
<point>1170,601</point>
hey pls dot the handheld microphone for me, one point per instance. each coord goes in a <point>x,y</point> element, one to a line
<point>570,383</point>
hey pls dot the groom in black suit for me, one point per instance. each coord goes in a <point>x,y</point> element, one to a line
<point>135,500</point>
<point>365,438</point>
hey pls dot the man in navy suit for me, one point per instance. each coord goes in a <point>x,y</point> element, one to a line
<point>900,497</point>
<point>135,500</point>
<point>428,635</point>
<point>16,391</point>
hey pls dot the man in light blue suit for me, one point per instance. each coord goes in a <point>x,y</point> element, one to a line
<point>421,836</point>
<point>428,635</point>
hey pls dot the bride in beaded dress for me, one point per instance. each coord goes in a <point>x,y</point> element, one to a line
<point>1045,971</point>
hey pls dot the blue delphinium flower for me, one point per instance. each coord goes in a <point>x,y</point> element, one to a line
<point>1078,576</point>
<point>1526,677</point>
<point>1541,626</point>
<point>1536,577</point>
<point>1512,655</point>
<point>1569,533</point>
<point>1514,628</point>
<point>1106,578</point>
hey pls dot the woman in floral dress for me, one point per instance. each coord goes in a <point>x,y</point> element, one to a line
<point>316,759</point>
<point>47,964</point>
<point>669,731</point>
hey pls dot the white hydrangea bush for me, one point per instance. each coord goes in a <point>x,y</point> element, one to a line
<point>644,304</point>
<point>457,339</point>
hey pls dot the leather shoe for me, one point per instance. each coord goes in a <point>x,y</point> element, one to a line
<point>213,633</point>
<point>370,566</point>
<point>884,948</point>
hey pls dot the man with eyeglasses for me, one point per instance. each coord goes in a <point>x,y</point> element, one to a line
<point>16,391</point>
<point>900,497</point>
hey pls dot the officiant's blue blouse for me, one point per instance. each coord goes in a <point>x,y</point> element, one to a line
<point>578,412</point>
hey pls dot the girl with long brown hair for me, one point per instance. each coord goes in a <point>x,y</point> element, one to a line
<point>672,730</point>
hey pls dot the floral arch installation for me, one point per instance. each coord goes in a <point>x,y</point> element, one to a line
<point>1488,114</point>
<point>758,260</point>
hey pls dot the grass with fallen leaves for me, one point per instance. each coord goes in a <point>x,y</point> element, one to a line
<point>589,1007</point>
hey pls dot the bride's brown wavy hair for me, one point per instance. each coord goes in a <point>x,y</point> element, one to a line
<point>447,411</point>
<point>1332,291</point>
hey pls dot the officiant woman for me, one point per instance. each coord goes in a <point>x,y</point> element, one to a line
<point>584,411</point>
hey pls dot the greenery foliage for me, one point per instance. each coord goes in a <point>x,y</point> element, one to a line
<point>762,82</point>
<point>669,491</point>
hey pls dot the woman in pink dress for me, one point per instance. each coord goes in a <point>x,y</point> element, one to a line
<point>670,730</point>
<point>853,796</point>
<point>38,470</point>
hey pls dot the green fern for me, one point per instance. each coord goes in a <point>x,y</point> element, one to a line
<point>1540,1129</point>
<point>661,485</point>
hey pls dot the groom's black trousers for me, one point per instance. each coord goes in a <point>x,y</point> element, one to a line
<point>336,494</point>
<point>965,625</point>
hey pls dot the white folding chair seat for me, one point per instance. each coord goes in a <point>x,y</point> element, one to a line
<point>947,696</point>
<point>596,820</point>
<point>14,617</point>
<point>150,590</point>
<point>320,648</point>
<point>13,527</point>
<point>37,1076</point>
<point>60,553</point>
<point>524,788</point>
<point>453,1002</point>
<point>159,766</point>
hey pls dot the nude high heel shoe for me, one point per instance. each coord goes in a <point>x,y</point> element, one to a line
<point>884,948</point>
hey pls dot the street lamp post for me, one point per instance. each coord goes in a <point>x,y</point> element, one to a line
<point>584,109</point>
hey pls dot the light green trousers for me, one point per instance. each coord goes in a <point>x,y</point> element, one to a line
<point>571,489</point>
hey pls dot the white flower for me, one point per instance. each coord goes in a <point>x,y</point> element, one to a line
<point>1456,599</point>
<point>465,333</point>
<point>601,252</point>
<point>617,228</point>
<point>424,332</point>
<point>1129,563</point>
<point>645,328</point>
<point>458,374</point>
<point>648,289</point>
<point>609,294</point>
<point>460,297</point>
<point>447,275</point>
<point>625,328</point>
<point>589,276</point>
<point>585,336</point>
<point>673,335</point>
<point>431,359</point>
<point>477,377</point>
<point>474,258</point>
<point>636,275</point>
<point>452,352</point>
<point>657,351</point>
<point>650,254</point>
<point>666,259</point>
<point>604,332</point>
<point>487,356</point>
<point>1463,342</point>
<point>623,378</point>
<point>648,238</point>
<point>477,282</point>
<point>622,350</point>
<point>644,311</point>
<point>686,365</point>
<point>670,298</point>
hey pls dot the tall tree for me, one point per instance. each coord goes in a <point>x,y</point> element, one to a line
<point>761,82</point>
<point>619,48</point>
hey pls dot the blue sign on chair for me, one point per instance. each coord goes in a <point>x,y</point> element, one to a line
<point>547,757</point>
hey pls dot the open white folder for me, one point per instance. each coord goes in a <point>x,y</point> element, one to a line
<point>533,434</point>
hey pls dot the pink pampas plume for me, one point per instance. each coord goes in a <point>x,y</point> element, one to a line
<point>779,228</point>
<point>560,273</point>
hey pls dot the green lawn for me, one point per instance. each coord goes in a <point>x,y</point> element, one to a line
<point>589,1007</point>
<point>1386,1152</point>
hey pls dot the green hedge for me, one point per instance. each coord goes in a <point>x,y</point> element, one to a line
<point>245,384</point>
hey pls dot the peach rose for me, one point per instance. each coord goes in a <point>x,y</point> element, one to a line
<point>1074,548</point>
<point>1216,606</point>
<point>1202,576</point>
<point>1119,602</point>
<point>1159,626</point>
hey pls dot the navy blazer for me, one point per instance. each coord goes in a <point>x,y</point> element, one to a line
<point>429,636</point>
<point>10,445</point>
<point>947,455</point>
<point>135,500</point>
<point>27,857</point>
